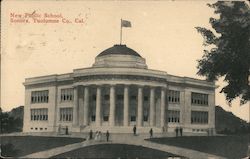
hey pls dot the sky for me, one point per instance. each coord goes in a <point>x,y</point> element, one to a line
<point>163,32</point>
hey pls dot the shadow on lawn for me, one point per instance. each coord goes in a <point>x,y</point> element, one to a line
<point>116,151</point>
<point>226,146</point>
<point>17,146</point>
<point>8,150</point>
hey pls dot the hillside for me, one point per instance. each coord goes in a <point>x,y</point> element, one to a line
<point>11,121</point>
<point>227,122</point>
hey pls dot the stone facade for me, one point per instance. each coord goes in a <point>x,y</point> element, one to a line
<point>116,93</point>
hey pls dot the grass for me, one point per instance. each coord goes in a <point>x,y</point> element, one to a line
<point>17,146</point>
<point>115,151</point>
<point>227,146</point>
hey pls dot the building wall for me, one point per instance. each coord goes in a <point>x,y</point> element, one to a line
<point>184,106</point>
<point>210,108</point>
<point>63,104</point>
<point>38,126</point>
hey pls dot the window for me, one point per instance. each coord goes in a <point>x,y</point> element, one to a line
<point>40,96</point>
<point>173,96</point>
<point>66,114</point>
<point>106,97</point>
<point>199,117</point>
<point>106,118</point>
<point>133,113</point>
<point>145,114</point>
<point>67,94</point>
<point>92,117</point>
<point>133,97</point>
<point>133,118</point>
<point>39,114</point>
<point>94,97</point>
<point>199,99</point>
<point>173,116</point>
<point>145,98</point>
<point>119,97</point>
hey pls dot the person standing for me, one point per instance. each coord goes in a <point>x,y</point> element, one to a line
<point>90,134</point>
<point>181,130</point>
<point>134,130</point>
<point>107,135</point>
<point>96,135</point>
<point>59,129</point>
<point>67,130</point>
<point>151,133</point>
<point>176,132</point>
<point>100,135</point>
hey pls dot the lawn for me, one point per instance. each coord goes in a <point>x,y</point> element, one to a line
<point>115,151</point>
<point>227,146</point>
<point>17,146</point>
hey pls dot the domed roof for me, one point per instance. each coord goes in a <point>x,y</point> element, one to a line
<point>119,50</point>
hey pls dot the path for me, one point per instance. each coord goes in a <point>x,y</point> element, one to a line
<point>130,140</point>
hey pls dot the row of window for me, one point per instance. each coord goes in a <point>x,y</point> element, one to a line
<point>66,114</point>
<point>173,96</point>
<point>39,114</point>
<point>37,128</point>
<point>199,99</point>
<point>199,117</point>
<point>40,96</point>
<point>68,95</point>
<point>173,116</point>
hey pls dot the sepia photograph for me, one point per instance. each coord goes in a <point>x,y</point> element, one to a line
<point>125,79</point>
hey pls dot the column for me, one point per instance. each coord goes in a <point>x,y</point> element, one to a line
<point>81,106</point>
<point>163,99</point>
<point>126,106</point>
<point>140,106</point>
<point>75,107</point>
<point>112,106</point>
<point>98,106</point>
<point>86,106</point>
<point>152,106</point>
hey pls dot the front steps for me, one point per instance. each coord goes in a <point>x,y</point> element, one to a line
<point>116,129</point>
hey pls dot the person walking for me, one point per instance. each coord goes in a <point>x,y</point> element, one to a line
<point>107,135</point>
<point>134,130</point>
<point>151,133</point>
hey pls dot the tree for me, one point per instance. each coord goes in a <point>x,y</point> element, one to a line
<point>228,50</point>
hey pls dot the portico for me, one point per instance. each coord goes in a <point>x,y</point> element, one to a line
<point>116,99</point>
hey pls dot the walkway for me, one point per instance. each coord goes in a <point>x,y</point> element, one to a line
<point>126,139</point>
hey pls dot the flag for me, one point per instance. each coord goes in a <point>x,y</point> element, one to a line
<point>125,23</point>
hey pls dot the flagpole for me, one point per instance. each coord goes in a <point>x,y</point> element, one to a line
<point>121,33</point>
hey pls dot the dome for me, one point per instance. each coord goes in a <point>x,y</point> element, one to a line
<point>120,56</point>
<point>119,50</point>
